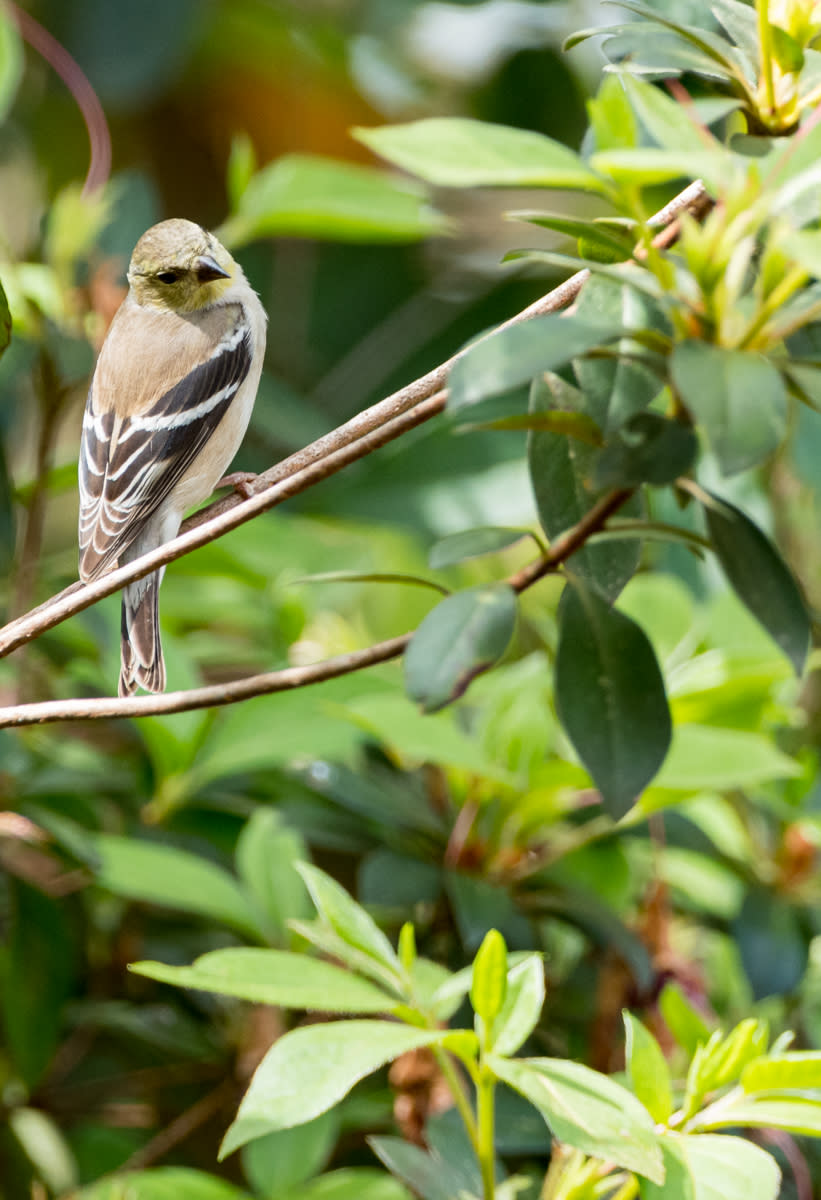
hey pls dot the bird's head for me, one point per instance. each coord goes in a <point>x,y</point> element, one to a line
<point>179,266</point>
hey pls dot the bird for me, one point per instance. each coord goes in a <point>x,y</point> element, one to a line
<point>169,401</point>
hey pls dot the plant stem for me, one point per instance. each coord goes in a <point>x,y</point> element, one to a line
<point>765,44</point>
<point>461,1101</point>
<point>485,1099</point>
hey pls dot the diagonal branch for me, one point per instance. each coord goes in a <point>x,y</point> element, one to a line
<point>286,680</point>
<point>375,427</point>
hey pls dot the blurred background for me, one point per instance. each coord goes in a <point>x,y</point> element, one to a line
<point>473,817</point>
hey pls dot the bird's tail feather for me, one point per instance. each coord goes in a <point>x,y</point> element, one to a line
<point>141,652</point>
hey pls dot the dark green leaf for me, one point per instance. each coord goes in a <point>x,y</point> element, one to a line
<point>737,397</point>
<point>279,1162</point>
<point>275,977</point>
<point>610,696</point>
<point>514,355</point>
<point>459,152</point>
<point>587,1110</point>
<point>648,448</point>
<point>771,942</point>
<point>760,578</point>
<point>5,315</point>
<point>569,424</point>
<point>8,525</point>
<point>310,1069</point>
<point>266,854</point>
<point>561,473</point>
<point>473,543</point>
<point>309,196</point>
<point>463,636</point>
<point>428,1175</point>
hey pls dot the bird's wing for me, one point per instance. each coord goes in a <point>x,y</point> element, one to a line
<point>161,387</point>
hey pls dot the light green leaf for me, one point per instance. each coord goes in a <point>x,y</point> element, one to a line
<point>11,61</point>
<point>667,122</point>
<point>266,854</point>
<point>612,120</point>
<point>710,1167</point>
<point>762,1110</point>
<point>488,986</point>
<point>276,977</point>
<point>760,578</point>
<point>610,696</point>
<point>459,152</point>
<point>738,398</point>
<point>302,195</point>
<point>522,1007</point>
<point>611,242</point>
<point>703,756</point>
<point>159,874</point>
<point>648,1069</point>
<point>462,636</point>
<point>162,1183</point>
<point>645,166</point>
<point>310,1069</point>
<point>348,919</point>
<point>800,1069</point>
<point>587,1110</point>
<point>473,543</point>
<point>242,164</point>
<point>514,355</point>
<point>687,1025</point>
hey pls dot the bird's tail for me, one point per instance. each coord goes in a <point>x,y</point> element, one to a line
<point>141,652</point>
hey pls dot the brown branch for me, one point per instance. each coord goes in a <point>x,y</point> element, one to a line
<point>375,427</point>
<point>290,678</point>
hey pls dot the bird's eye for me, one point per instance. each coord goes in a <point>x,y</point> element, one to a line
<point>168,276</point>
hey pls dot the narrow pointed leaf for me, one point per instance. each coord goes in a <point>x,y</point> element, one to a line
<point>348,919</point>
<point>610,696</point>
<point>488,986</point>
<point>612,242</point>
<point>665,120</point>
<point>737,397</point>
<point>473,543</point>
<point>587,1110</point>
<point>760,578</point>
<point>522,1007</point>
<point>464,635</point>
<point>799,1069</point>
<point>648,1069</point>
<point>460,152</point>
<point>274,977</point>
<point>310,1069</point>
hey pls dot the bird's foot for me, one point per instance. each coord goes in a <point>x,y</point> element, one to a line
<point>242,482</point>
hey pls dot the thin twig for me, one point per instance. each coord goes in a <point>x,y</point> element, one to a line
<point>375,427</point>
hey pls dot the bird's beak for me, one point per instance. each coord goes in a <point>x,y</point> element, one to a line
<point>207,269</point>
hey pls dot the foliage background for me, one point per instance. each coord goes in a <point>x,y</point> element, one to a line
<point>476,817</point>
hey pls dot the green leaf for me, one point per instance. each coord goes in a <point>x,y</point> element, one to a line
<point>371,577</point>
<point>799,1069</point>
<point>162,1183</point>
<point>352,1183</point>
<point>473,543</point>
<point>11,62</point>
<point>516,354</point>
<point>569,424</point>
<point>276,977</point>
<point>464,635</point>
<point>5,315</point>
<point>561,473</point>
<point>687,1025</point>
<point>648,1070</point>
<point>794,1114</point>
<point>266,855</point>
<point>740,22</point>
<point>587,1110</point>
<point>612,120</point>
<point>667,122</point>
<point>428,1174</point>
<point>310,1069</point>
<point>158,874</point>
<point>737,397</point>
<point>610,696</point>
<point>614,243</point>
<point>648,448</point>
<point>760,578</point>
<point>646,166</point>
<point>242,164</point>
<point>302,195</point>
<point>459,152</point>
<point>787,52</point>
<point>522,1007</point>
<point>709,1167</point>
<point>706,756</point>
<point>348,919</point>
<point>279,1162</point>
<point>488,986</point>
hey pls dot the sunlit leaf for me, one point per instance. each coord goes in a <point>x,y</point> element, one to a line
<point>522,1007</point>
<point>162,1183</point>
<point>488,986</point>
<point>798,1070</point>
<point>459,152</point>
<point>648,1070</point>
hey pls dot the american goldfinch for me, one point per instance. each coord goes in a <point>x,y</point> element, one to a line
<point>168,405</point>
